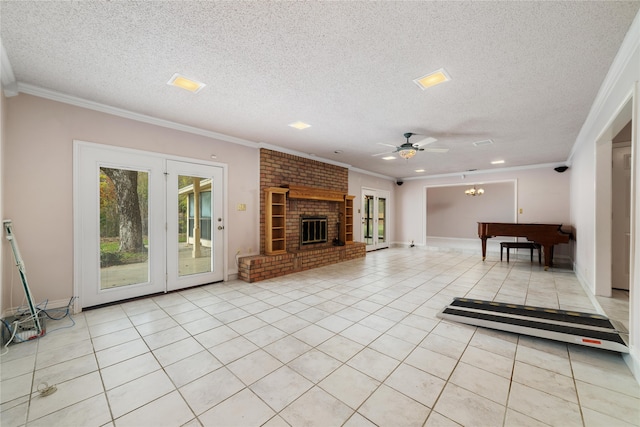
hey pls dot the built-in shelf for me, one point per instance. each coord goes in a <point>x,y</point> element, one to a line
<point>276,221</point>
<point>348,219</point>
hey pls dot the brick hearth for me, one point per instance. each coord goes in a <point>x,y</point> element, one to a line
<point>260,267</point>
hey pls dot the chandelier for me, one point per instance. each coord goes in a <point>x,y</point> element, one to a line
<point>407,153</point>
<point>474,191</point>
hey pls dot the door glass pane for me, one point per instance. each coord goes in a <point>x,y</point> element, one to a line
<point>382,209</point>
<point>124,220</point>
<point>194,225</point>
<point>368,219</point>
<point>205,216</point>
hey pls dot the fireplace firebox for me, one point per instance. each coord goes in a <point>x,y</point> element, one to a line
<point>313,229</point>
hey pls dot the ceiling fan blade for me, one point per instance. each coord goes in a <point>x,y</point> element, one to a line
<point>381,154</point>
<point>388,145</point>
<point>435,150</point>
<point>425,141</point>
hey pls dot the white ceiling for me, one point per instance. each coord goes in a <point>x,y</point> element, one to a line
<point>524,74</point>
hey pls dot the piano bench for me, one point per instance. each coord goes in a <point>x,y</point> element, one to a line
<point>521,245</point>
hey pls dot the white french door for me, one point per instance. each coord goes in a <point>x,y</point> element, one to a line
<point>375,219</point>
<point>195,224</point>
<point>143,224</point>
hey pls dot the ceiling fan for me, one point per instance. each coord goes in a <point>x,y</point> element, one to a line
<point>408,149</point>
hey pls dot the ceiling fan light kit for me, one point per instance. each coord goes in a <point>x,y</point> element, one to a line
<point>407,153</point>
<point>408,149</point>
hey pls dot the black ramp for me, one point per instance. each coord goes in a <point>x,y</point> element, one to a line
<point>588,329</point>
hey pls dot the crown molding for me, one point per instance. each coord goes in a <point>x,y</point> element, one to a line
<point>92,105</point>
<point>301,154</point>
<point>323,160</point>
<point>8,79</point>
<point>486,171</point>
<point>83,103</point>
<point>377,175</point>
<point>96,106</point>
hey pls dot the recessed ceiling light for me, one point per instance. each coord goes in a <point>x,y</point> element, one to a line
<point>432,79</point>
<point>338,152</point>
<point>497,162</point>
<point>299,125</point>
<point>185,83</point>
<point>389,158</point>
<point>483,142</point>
<point>419,170</point>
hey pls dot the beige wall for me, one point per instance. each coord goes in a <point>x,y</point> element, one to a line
<point>541,193</point>
<point>38,181</point>
<point>451,213</point>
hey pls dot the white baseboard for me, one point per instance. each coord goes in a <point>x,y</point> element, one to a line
<point>633,362</point>
<point>474,246</point>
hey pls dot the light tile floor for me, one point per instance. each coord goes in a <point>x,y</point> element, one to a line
<point>354,344</point>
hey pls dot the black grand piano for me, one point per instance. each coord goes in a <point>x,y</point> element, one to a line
<point>547,235</point>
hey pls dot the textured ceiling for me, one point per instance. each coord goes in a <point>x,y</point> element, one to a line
<point>524,74</point>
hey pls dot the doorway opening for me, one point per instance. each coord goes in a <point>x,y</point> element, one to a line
<point>614,216</point>
<point>621,209</point>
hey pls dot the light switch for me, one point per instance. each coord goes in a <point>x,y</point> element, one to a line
<point>520,210</point>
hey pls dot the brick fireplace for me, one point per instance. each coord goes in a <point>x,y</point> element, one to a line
<point>278,170</point>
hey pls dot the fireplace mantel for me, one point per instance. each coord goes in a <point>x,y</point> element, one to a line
<point>312,193</point>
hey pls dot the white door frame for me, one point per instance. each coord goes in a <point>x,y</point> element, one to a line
<point>376,194</point>
<point>603,197</point>
<point>601,257</point>
<point>79,146</point>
